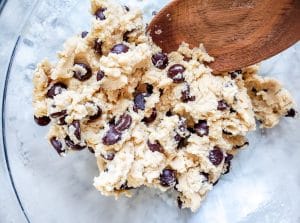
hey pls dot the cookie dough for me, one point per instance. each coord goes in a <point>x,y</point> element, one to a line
<point>152,119</point>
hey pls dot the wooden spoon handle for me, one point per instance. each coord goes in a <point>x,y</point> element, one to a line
<point>237,33</point>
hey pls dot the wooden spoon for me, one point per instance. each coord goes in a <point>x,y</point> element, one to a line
<point>237,33</point>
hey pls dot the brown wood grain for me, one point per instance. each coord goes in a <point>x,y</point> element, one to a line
<point>238,33</point>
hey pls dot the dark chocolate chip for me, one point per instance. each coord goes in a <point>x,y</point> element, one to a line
<point>222,105</point>
<point>91,149</point>
<point>125,186</point>
<point>126,8</point>
<point>182,142</point>
<point>82,75</point>
<point>155,147</point>
<point>62,120</point>
<point>169,114</point>
<point>160,60</point>
<point>149,89</point>
<point>291,113</point>
<point>126,36</point>
<point>186,95</point>
<point>98,47</point>
<point>123,123</point>
<point>100,75</point>
<point>111,137</point>
<point>97,115</point>
<point>72,145</point>
<point>100,14</point>
<point>227,161</point>
<point>232,110</point>
<point>179,202</point>
<point>226,132</point>
<point>42,121</point>
<point>58,114</point>
<point>201,128</point>
<point>77,132</point>
<point>168,178</point>
<point>120,48</point>
<point>254,90</point>
<point>139,101</point>
<point>57,145</point>
<point>191,130</point>
<point>84,34</point>
<point>161,92</point>
<point>235,74</point>
<point>109,156</point>
<point>151,118</point>
<point>56,89</point>
<point>175,72</point>
<point>216,156</point>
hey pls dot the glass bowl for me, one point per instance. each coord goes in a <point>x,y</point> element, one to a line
<point>39,186</point>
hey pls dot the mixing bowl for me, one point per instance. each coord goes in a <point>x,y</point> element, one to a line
<point>39,186</point>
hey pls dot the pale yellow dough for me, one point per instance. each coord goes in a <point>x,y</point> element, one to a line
<point>247,95</point>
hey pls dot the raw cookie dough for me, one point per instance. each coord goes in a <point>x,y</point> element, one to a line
<point>155,120</point>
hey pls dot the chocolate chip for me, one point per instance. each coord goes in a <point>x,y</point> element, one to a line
<point>125,186</point>
<point>226,132</point>
<point>100,14</point>
<point>77,132</point>
<point>111,137</point>
<point>182,142</point>
<point>56,89</point>
<point>72,145</point>
<point>42,121</point>
<point>175,72</point>
<point>126,36</point>
<point>98,47</point>
<point>227,161</point>
<point>186,95</point>
<point>179,202</point>
<point>120,48</point>
<point>123,123</point>
<point>201,128</point>
<point>235,74</point>
<point>58,114</point>
<point>91,149</point>
<point>109,156</point>
<point>222,105</point>
<point>62,120</point>
<point>160,60</point>
<point>191,130</point>
<point>139,101</point>
<point>291,113</point>
<point>169,114</point>
<point>97,115</point>
<point>100,75</point>
<point>155,147</point>
<point>126,8</point>
<point>161,92</point>
<point>57,145</point>
<point>216,156</point>
<point>149,89</point>
<point>167,178</point>
<point>84,74</point>
<point>254,90</point>
<point>151,118</point>
<point>84,34</point>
